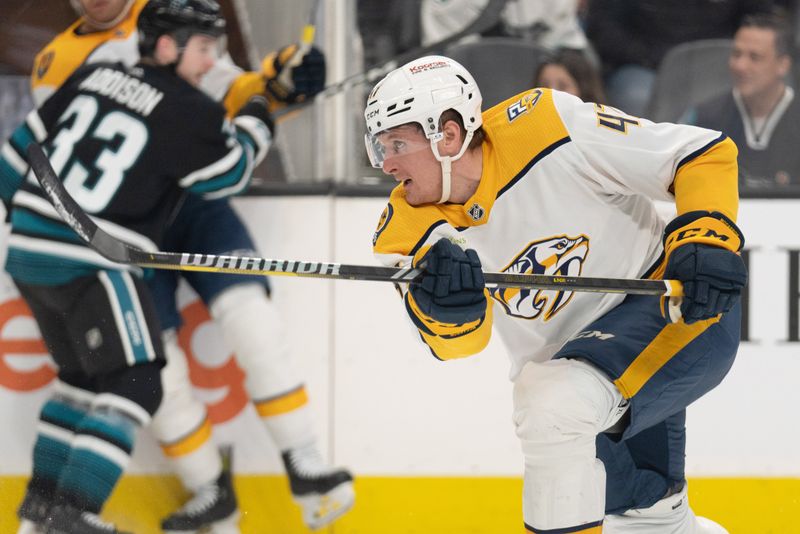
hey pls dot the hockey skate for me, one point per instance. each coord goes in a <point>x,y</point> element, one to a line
<point>323,493</point>
<point>68,520</point>
<point>213,509</point>
<point>33,513</point>
<point>670,515</point>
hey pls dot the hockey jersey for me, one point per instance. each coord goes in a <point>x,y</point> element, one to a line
<point>567,188</point>
<point>126,142</point>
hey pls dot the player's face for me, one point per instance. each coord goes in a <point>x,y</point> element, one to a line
<point>103,10</point>
<point>754,63</point>
<point>409,159</point>
<point>557,77</point>
<point>199,55</point>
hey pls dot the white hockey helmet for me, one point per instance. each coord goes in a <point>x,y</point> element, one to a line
<point>419,92</point>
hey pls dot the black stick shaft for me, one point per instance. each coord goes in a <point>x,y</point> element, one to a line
<point>121,252</point>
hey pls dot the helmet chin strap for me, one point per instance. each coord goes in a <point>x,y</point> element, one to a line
<point>103,25</point>
<point>447,164</point>
<point>447,181</point>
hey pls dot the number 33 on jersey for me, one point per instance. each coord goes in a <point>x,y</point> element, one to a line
<point>126,142</point>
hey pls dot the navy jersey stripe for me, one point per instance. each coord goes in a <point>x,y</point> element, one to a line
<point>536,159</point>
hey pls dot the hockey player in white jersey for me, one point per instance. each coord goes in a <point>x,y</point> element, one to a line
<point>249,321</point>
<point>545,183</point>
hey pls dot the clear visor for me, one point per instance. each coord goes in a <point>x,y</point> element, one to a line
<point>375,150</point>
<point>212,46</point>
<point>403,142</point>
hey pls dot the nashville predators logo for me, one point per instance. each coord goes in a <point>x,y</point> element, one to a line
<point>558,256</point>
<point>386,216</point>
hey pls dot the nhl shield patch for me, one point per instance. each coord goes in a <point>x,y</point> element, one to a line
<point>476,211</point>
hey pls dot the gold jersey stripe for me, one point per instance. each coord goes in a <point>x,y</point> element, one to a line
<point>671,339</point>
<point>449,342</point>
<point>282,404</point>
<point>190,443</point>
<point>709,182</point>
<point>246,85</point>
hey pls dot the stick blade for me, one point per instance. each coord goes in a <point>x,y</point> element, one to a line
<point>70,211</point>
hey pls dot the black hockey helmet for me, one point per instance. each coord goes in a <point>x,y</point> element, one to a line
<point>179,18</point>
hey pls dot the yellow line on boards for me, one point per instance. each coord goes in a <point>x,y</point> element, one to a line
<point>398,505</point>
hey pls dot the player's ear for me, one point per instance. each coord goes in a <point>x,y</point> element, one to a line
<point>453,136</point>
<point>166,50</point>
<point>784,64</point>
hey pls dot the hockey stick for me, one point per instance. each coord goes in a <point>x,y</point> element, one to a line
<point>120,252</point>
<point>484,21</point>
<point>306,42</point>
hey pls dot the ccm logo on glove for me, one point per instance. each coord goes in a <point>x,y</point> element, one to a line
<point>702,252</point>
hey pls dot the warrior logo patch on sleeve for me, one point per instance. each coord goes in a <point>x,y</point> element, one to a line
<point>558,255</point>
<point>523,105</point>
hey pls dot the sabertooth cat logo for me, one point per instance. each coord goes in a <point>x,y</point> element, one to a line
<point>559,256</point>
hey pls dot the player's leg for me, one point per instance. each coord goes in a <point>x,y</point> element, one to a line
<point>185,436</point>
<point>115,336</point>
<point>252,327</point>
<point>660,369</point>
<point>649,468</point>
<point>102,447</point>
<point>61,413</point>
<point>183,429</point>
<point>68,403</point>
<point>559,408</point>
<point>644,468</point>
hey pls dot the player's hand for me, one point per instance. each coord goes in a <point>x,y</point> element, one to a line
<point>451,287</point>
<point>713,279</point>
<point>294,74</point>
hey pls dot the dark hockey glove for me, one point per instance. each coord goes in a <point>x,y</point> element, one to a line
<point>258,107</point>
<point>293,74</point>
<point>702,252</point>
<point>451,287</point>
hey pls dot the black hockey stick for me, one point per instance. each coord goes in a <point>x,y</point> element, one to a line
<point>120,252</point>
<point>484,21</point>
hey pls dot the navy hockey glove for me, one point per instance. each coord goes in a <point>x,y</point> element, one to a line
<point>258,107</point>
<point>701,250</point>
<point>294,75</point>
<point>451,287</point>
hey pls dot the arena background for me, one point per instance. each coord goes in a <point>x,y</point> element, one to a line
<point>431,443</point>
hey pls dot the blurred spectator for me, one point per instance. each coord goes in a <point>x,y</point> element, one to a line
<point>761,114</point>
<point>551,24</point>
<point>387,28</point>
<point>570,71</point>
<point>632,36</point>
<point>15,103</point>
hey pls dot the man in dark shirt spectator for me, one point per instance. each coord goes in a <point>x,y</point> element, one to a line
<point>761,114</point>
<point>632,36</point>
